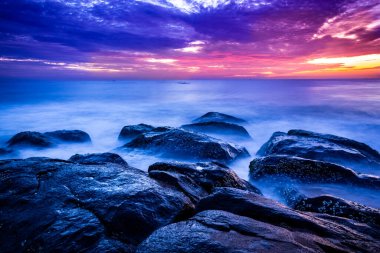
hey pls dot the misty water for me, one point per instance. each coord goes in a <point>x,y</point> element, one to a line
<point>348,108</point>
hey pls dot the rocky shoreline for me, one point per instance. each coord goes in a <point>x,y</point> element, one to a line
<point>99,203</point>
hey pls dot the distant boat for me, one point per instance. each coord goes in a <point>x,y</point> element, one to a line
<point>183,82</point>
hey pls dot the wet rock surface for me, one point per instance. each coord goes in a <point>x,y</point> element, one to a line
<point>53,205</point>
<point>198,180</point>
<point>324,147</point>
<point>233,220</point>
<point>49,139</point>
<point>307,171</point>
<point>329,204</point>
<point>219,117</point>
<point>132,131</point>
<point>339,207</point>
<point>179,143</point>
<point>300,158</point>
<point>221,128</point>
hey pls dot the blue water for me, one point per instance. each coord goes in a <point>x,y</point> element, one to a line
<point>349,108</point>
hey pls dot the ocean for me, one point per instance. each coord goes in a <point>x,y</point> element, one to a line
<point>348,108</point>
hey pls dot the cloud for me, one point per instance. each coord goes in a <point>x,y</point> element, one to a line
<point>184,37</point>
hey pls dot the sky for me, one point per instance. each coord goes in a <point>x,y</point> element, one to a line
<point>186,39</point>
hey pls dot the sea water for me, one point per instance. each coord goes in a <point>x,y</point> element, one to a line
<point>348,108</point>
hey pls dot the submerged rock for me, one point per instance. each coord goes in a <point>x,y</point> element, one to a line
<point>218,117</point>
<point>130,132</point>
<point>324,147</point>
<point>221,128</point>
<point>100,158</point>
<point>179,143</point>
<point>48,139</point>
<point>50,205</point>
<point>281,168</point>
<point>232,220</point>
<point>198,180</point>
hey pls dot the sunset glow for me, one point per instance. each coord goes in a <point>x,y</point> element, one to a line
<point>179,39</point>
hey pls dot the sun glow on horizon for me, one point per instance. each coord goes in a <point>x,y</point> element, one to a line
<point>356,62</point>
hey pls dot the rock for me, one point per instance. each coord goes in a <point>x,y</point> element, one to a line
<point>233,220</point>
<point>281,168</point>
<point>219,117</point>
<point>30,139</point>
<point>255,206</point>
<point>182,144</point>
<point>198,180</point>
<point>5,151</point>
<point>220,128</point>
<point>75,136</point>
<point>322,147</point>
<point>100,158</point>
<point>50,205</point>
<point>130,132</point>
<point>339,207</point>
<point>290,195</point>
<point>48,139</point>
<point>330,205</point>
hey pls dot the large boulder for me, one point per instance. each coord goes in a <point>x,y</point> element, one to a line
<point>182,144</point>
<point>48,139</point>
<point>50,205</point>
<point>198,180</point>
<point>130,132</point>
<point>219,128</point>
<point>281,168</point>
<point>233,220</point>
<point>324,147</point>
<point>219,117</point>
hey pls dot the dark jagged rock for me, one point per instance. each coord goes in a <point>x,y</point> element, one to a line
<point>339,207</point>
<point>75,136</point>
<point>48,139</point>
<point>130,132</point>
<point>322,147</point>
<point>198,180</point>
<point>233,220</point>
<point>30,139</point>
<point>50,205</point>
<point>307,171</point>
<point>218,117</point>
<point>221,128</point>
<point>100,158</point>
<point>179,143</point>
